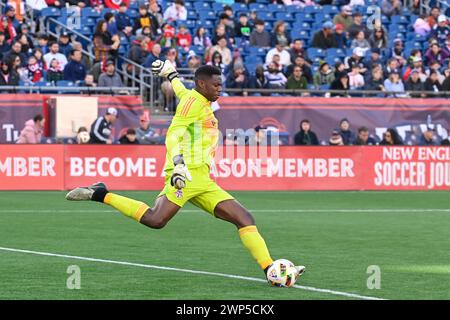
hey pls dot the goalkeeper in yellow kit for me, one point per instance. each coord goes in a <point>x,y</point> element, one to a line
<point>191,141</point>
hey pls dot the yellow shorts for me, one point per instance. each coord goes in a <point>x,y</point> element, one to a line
<point>202,191</point>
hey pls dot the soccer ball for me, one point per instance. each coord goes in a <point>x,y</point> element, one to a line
<point>83,137</point>
<point>282,273</point>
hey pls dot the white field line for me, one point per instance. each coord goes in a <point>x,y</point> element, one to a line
<point>415,210</point>
<point>223,275</point>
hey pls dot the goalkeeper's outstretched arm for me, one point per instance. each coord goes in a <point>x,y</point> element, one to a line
<point>166,69</point>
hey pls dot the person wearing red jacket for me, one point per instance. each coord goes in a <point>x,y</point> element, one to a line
<point>184,39</point>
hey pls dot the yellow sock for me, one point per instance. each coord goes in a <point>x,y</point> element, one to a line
<point>128,207</point>
<point>253,241</point>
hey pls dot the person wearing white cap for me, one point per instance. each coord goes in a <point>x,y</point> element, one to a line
<point>441,30</point>
<point>102,127</point>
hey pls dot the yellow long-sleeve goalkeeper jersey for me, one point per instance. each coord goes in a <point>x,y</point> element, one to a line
<point>194,129</point>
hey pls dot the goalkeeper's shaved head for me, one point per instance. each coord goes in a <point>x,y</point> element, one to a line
<point>208,82</point>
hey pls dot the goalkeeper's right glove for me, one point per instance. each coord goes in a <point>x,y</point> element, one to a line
<point>180,173</point>
<point>164,69</point>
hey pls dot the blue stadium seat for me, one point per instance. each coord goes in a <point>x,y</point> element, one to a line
<point>285,16</point>
<point>48,140</point>
<point>257,7</point>
<point>266,16</point>
<point>201,5</point>
<point>65,83</point>
<point>85,30</point>
<point>90,12</point>
<point>192,14</point>
<point>300,34</point>
<point>306,17</point>
<point>292,9</point>
<point>206,14</point>
<point>88,21</point>
<point>133,14</point>
<point>336,52</point>
<point>315,52</point>
<point>50,12</point>
<point>322,17</point>
<point>218,7</point>
<point>239,7</point>
<point>312,9</point>
<point>330,9</point>
<point>276,7</point>
<point>253,59</point>
<point>43,84</point>
<point>332,60</point>
<point>191,23</point>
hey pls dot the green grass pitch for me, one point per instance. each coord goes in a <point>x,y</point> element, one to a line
<point>336,235</point>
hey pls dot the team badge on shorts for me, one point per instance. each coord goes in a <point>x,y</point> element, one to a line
<point>179,194</point>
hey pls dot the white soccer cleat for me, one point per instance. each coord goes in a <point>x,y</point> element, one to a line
<point>300,270</point>
<point>84,193</point>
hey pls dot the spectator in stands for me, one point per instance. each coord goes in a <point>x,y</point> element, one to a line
<point>145,19</point>
<point>324,38</point>
<point>219,32</point>
<point>280,36</point>
<point>105,45</point>
<point>414,7</point>
<point>37,53</point>
<point>397,53</point>
<point>54,54</point>
<point>43,43</point>
<point>446,83</point>
<point>340,83</point>
<point>297,49</point>
<point>110,78</point>
<point>259,81</point>
<point>8,29</point>
<point>24,31</point>
<point>201,39</point>
<point>13,23</point>
<point>436,67</point>
<point>184,39</point>
<point>129,137</point>
<point>429,138</point>
<point>110,20</point>
<point>432,84</point>
<point>259,37</point>
<point>446,142</point>
<point>275,79</point>
<point>433,17</point>
<point>85,60</point>
<point>138,50</point>
<point>391,137</point>
<point>344,17</point>
<point>356,80</point>
<point>392,65</point>
<point>153,56</point>
<point>4,46</point>
<point>391,7</point>
<point>65,47</point>
<point>378,39</point>
<point>441,30</point>
<point>375,81</point>
<point>358,26</point>
<point>167,38</point>
<point>88,81</point>
<point>227,23</point>
<point>80,3</point>
<point>394,84</point>
<point>243,29</point>
<point>340,37</point>
<point>176,12</point>
<point>224,51</point>
<point>297,81</point>
<point>436,53</point>
<point>123,20</point>
<point>101,128</point>
<point>75,70</point>
<point>324,75</point>
<point>285,58</point>
<point>155,10</point>
<point>364,139</point>
<point>16,49</point>
<point>357,58</point>
<point>421,26</point>
<point>305,137</point>
<point>238,79</point>
<point>34,71</point>
<point>216,60</point>
<point>145,134</point>
<point>33,130</point>
<point>301,62</point>
<point>360,42</point>
<point>55,71</point>
<point>339,68</point>
<point>26,46</point>
<point>415,84</point>
<point>8,76</point>
<point>335,139</point>
<point>229,12</point>
<point>375,58</point>
<point>348,136</point>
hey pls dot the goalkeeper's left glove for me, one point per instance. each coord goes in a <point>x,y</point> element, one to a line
<point>164,69</point>
<point>180,173</point>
